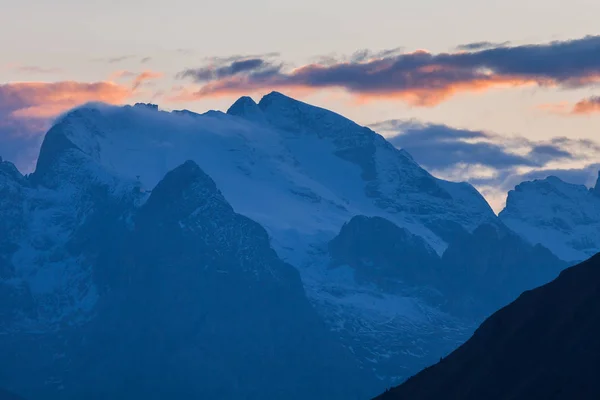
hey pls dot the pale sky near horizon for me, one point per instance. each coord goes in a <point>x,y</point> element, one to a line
<point>70,40</point>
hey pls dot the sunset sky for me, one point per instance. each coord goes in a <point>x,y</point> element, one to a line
<point>489,92</point>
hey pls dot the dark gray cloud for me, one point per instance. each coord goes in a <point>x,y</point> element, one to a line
<point>427,79</point>
<point>544,153</point>
<point>251,65</point>
<point>222,61</point>
<point>461,153</point>
<point>481,45</point>
<point>119,59</point>
<point>438,146</point>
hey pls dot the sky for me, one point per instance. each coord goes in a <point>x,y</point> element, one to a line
<point>489,92</point>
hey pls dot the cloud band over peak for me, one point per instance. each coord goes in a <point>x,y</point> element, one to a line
<point>420,78</point>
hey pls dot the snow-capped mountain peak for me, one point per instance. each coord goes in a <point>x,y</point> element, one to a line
<point>298,157</point>
<point>562,216</point>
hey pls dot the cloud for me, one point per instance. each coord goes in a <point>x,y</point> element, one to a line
<point>45,100</point>
<point>491,162</point>
<point>587,106</point>
<point>481,45</point>
<point>590,105</point>
<point>32,69</point>
<point>118,59</point>
<point>113,60</point>
<point>28,108</point>
<point>420,78</point>
<point>440,147</point>
<point>144,77</point>
<point>221,61</point>
<point>211,73</point>
<point>137,78</point>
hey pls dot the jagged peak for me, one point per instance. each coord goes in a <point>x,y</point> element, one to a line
<point>185,191</point>
<point>275,96</point>
<point>10,169</point>
<point>186,178</point>
<point>147,106</point>
<point>246,108</point>
<point>551,182</point>
<point>186,113</point>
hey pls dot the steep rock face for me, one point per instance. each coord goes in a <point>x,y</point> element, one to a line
<point>438,301</point>
<point>189,300</point>
<point>561,216</point>
<point>381,269</point>
<point>15,297</point>
<point>542,346</point>
<point>380,252</point>
<point>490,267</point>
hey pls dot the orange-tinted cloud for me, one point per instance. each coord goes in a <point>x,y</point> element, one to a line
<point>45,100</point>
<point>588,106</point>
<point>591,105</point>
<point>137,79</point>
<point>145,77</point>
<point>420,78</point>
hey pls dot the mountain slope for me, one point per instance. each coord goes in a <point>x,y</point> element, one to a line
<point>561,216</point>
<point>542,346</point>
<point>189,299</point>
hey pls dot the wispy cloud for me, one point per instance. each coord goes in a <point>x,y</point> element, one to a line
<point>144,77</point>
<point>33,69</point>
<point>119,59</point>
<point>481,45</point>
<point>137,79</point>
<point>420,78</point>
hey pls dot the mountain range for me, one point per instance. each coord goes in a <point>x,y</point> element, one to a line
<point>278,250</point>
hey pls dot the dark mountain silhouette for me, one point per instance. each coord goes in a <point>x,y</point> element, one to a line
<point>544,345</point>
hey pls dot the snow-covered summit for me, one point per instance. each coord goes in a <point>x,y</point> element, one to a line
<point>564,217</point>
<point>295,168</point>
